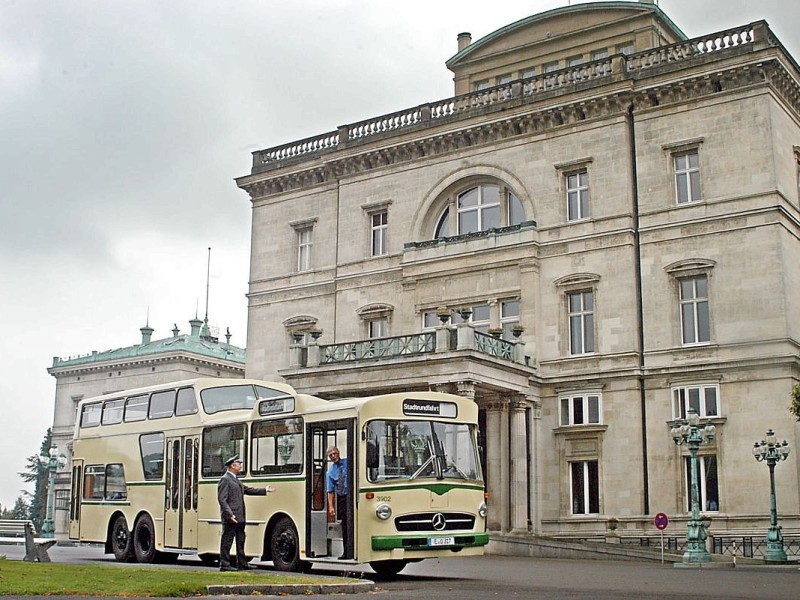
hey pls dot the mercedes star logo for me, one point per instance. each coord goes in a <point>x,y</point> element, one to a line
<point>438,521</point>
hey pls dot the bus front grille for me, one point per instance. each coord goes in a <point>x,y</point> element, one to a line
<point>434,521</point>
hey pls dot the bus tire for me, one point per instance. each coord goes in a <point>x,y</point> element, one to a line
<point>284,546</point>
<point>209,560</point>
<point>121,540</point>
<point>386,569</point>
<point>144,540</point>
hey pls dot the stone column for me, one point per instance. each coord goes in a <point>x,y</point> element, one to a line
<point>496,463</point>
<point>518,472</point>
<point>535,403</point>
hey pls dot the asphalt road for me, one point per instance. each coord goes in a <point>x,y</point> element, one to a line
<point>516,577</point>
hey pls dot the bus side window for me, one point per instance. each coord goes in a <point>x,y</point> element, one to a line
<point>115,482</point>
<point>94,482</point>
<point>187,402</point>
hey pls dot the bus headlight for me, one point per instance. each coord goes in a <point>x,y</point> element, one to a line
<point>383,512</point>
<point>483,510</point>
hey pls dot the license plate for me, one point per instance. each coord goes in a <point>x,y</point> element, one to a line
<point>441,541</point>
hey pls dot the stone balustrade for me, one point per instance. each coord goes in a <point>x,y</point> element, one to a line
<point>700,46</point>
<point>523,91</point>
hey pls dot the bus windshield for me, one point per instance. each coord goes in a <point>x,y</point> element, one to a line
<point>234,397</point>
<point>421,449</point>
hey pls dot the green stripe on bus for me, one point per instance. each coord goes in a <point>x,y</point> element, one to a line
<point>437,488</point>
<point>406,542</point>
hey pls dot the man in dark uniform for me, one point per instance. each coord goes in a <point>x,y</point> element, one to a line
<point>230,493</point>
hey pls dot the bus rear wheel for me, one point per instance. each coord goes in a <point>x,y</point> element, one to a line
<point>284,546</point>
<point>388,568</point>
<point>121,541</point>
<point>144,540</point>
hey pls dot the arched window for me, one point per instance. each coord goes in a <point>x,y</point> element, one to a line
<point>478,208</point>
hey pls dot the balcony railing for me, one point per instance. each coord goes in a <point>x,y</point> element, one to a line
<point>404,345</point>
<point>494,346</point>
<point>524,90</point>
<point>445,338</point>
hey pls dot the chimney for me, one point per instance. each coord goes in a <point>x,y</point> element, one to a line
<point>228,336</point>
<point>175,331</point>
<point>147,333</point>
<point>195,323</point>
<point>464,40</point>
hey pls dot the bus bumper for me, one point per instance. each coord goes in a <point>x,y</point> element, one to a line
<point>427,542</point>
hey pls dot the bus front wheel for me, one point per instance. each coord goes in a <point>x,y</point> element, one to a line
<point>284,546</point>
<point>121,541</point>
<point>388,568</point>
<point>144,540</point>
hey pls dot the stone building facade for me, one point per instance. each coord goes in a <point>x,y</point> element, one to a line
<point>597,233</point>
<point>152,362</point>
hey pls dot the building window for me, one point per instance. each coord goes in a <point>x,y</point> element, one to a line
<point>797,168</point>
<point>574,61</point>
<point>479,208</point>
<point>480,85</point>
<point>708,482</point>
<point>600,54</point>
<point>695,322</point>
<point>516,213</point>
<point>304,246</point>
<point>479,316</point>
<point>528,73</point>
<point>580,307</point>
<point>378,328</point>
<point>430,320</point>
<point>509,317</point>
<point>704,399</point>
<point>577,195</point>
<point>505,78</point>
<point>582,409</point>
<point>380,231</point>
<point>625,48</point>
<point>585,487</point>
<point>687,176</point>
<point>550,67</point>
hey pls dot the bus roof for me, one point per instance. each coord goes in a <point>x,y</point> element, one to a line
<point>198,383</point>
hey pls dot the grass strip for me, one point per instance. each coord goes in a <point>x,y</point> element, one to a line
<point>50,579</point>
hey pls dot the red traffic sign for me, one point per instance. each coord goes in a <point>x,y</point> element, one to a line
<point>661,521</point>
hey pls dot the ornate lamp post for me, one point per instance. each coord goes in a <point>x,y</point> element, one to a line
<point>55,461</point>
<point>693,434</point>
<point>771,452</point>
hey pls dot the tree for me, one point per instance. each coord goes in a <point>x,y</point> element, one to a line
<point>794,407</point>
<point>37,473</point>
<point>21,509</point>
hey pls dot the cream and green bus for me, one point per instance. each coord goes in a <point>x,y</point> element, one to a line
<point>146,463</point>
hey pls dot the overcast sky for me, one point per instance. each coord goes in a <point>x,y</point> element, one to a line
<point>123,124</point>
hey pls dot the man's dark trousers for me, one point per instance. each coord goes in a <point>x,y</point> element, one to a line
<point>231,531</point>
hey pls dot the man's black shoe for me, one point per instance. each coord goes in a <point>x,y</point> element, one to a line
<point>245,568</point>
<point>228,568</point>
<point>343,557</point>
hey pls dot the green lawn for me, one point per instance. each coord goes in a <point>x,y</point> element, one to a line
<point>45,579</point>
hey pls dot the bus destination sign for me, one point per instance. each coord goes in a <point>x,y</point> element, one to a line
<point>429,408</point>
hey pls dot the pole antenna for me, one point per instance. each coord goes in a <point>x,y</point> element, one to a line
<point>208,281</point>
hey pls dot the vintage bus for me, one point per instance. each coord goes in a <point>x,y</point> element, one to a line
<point>146,463</point>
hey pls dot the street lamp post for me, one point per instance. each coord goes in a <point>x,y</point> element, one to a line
<point>55,461</point>
<point>693,434</point>
<point>772,452</point>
